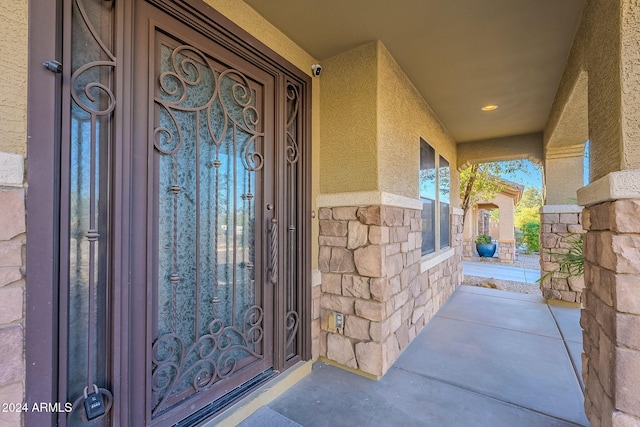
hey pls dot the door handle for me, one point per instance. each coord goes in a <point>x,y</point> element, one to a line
<point>273,251</point>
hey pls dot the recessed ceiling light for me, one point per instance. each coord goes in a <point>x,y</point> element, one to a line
<point>489,107</point>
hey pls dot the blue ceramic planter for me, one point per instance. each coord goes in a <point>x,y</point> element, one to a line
<point>486,249</point>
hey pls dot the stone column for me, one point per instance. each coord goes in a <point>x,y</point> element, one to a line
<point>468,233</point>
<point>560,217</point>
<point>12,240</point>
<point>507,250</point>
<point>457,235</point>
<point>559,226</point>
<point>506,239</point>
<point>611,314</point>
<point>374,275</point>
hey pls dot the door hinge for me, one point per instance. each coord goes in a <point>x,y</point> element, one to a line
<point>53,66</point>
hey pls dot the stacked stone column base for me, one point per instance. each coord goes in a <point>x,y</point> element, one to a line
<point>560,226</point>
<point>468,248</point>
<point>12,284</point>
<point>611,314</point>
<point>374,276</point>
<point>507,250</point>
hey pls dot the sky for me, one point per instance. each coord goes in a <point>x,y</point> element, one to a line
<point>530,176</point>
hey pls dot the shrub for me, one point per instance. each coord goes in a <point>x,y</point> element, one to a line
<point>571,263</point>
<point>531,236</point>
<point>519,236</point>
<point>483,239</point>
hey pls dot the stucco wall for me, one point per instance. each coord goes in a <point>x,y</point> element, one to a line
<point>630,54</point>
<point>606,48</point>
<point>349,157</point>
<point>572,122</point>
<point>563,172</point>
<point>13,79</point>
<point>372,120</point>
<point>403,117</point>
<point>252,22</point>
<point>602,19</point>
<point>527,146</point>
<point>506,207</point>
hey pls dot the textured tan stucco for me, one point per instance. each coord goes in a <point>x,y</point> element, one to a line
<point>572,124</point>
<point>13,78</point>
<point>602,18</point>
<point>372,119</point>
<point>528,146</point>
<point>348,117</point>
<point>607,48</point>
<point>563,176</point>
<point>506,223</point>
<point>630,57</point>
<point>403,117</point>
<point>252,22</point>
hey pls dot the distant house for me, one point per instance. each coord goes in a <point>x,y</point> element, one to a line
<point>479,221</point>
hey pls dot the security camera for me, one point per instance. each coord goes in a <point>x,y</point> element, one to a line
<point>317,69</point>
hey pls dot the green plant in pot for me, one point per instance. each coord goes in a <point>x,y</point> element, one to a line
<point>485,246</point>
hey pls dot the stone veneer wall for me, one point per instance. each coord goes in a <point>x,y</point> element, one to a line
<point>12,283</point>
<point>559,224</point>
<point>611,314</point>
<point>507,251</point>
<point>468,248</point>
<point>316,294</point>
<point>370,261</point>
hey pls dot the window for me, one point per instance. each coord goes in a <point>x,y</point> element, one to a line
<point>428,196</point>
<point>434,182</point>
<point>443,200</point>
<point>585,164</point>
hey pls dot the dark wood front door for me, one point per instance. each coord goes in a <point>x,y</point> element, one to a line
<point>185,212</point>
<point>208,160</point>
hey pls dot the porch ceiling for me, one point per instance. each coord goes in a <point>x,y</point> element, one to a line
<point>460,54</point>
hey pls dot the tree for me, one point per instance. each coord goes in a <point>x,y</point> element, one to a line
<point>485,180</point>
<point>527,209</point>
<point>531,198</point>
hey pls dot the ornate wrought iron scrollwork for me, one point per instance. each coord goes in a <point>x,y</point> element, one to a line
<point>93,102</point>
<point>207,139</point>
<point>293,107</point>
<point>188,65</point>
<point>213,357</point>
<point>292,322</point>
<point>85,94</point>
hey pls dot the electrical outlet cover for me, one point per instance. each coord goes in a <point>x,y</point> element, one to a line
<point>339,320</point>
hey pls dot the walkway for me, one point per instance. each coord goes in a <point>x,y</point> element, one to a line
<point>488,358</point>
<point>502,272</point>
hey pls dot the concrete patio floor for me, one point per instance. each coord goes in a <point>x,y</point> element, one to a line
<point>488,358</point>
<point>503,272</point>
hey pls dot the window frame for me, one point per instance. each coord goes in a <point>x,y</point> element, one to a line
<point>437,247</point>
